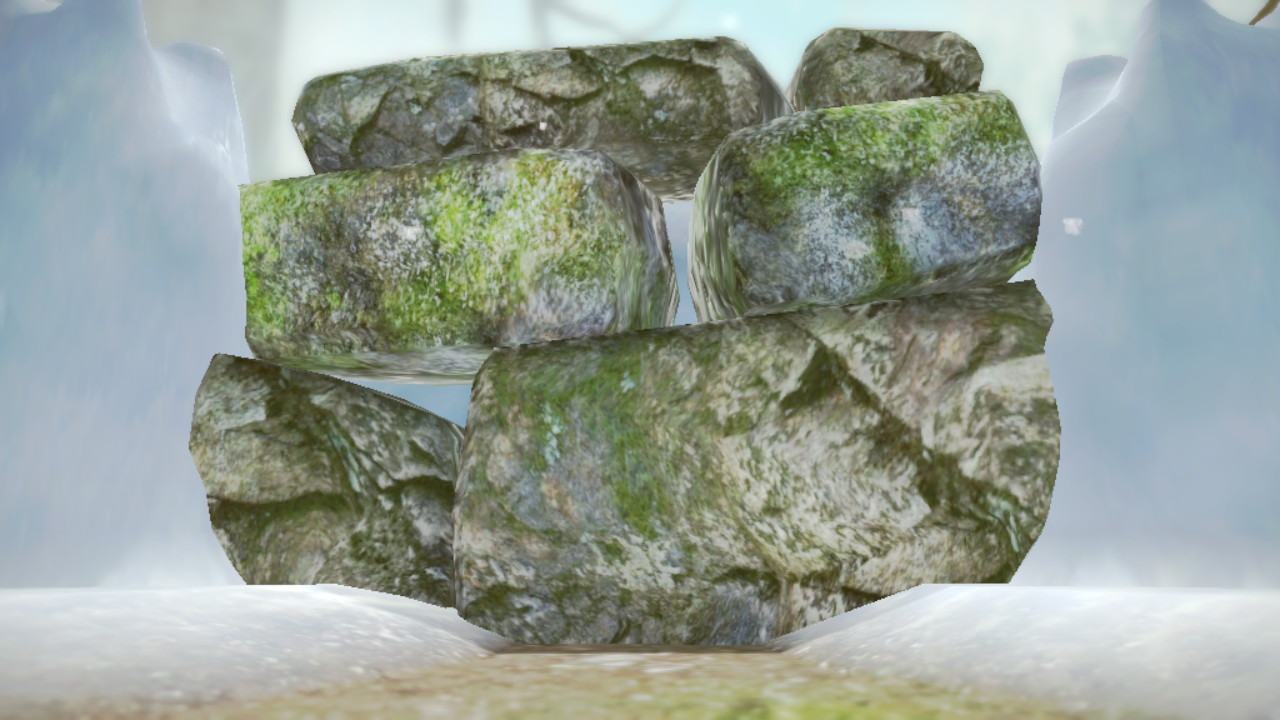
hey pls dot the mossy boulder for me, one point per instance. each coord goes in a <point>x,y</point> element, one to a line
<point>844,66</point>
<point>658,108</point>
<point>856,204</point>
<point>311,479</point>
<point>414,273</point>
<point>731,482</point>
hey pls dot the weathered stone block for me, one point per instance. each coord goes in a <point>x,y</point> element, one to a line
<point>731,482</point>
<point>658,108</point>
<point>415,273</point>
<point>870,202</point>
<point>844,66</point>
<point>311,479</point>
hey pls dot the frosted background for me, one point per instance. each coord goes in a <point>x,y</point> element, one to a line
<point>84,501</point>
<point>1158,253</point>
<point>120,276</point>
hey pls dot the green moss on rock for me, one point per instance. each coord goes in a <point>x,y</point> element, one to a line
<point>849,205</point>
<point>756,474</point>
<point>408,273</point>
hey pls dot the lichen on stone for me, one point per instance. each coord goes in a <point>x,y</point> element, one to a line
<point>412,272</point>
<point>856,204</point>
<point>729,482</point>
<point>658,108</point>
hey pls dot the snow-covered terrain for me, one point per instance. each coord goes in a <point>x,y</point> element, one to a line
<point>1190,653</point>
<point>200,644</point>
<point>1178,653</point>
<point>1158,255</point>
<point>120,277</point>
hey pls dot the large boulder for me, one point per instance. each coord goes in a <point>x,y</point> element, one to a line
<point>311,479</point>
<point>658,108</point>
<point>870,202</point>
<point>731,482</point>
<point>854,67</point>
<point>415,273</point>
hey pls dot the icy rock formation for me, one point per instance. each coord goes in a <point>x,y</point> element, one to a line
<point>13,9</point>
<point>414,273</point>
<point>1158,254</point>
<point>844,66</point>
<point>120,276</point>
<point>658,108</point>
<point>1086,85</point>
<point>314,480</point>
<point>729,482</point>
<point>871,202</point>
<point>198,88</point>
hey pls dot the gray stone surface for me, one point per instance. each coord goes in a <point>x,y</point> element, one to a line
<point>870,202</point>
<point>730,482</point>
<point>314,480</point>
<point>845,66</point>
<point>415,273</point>
<point>658,108</point>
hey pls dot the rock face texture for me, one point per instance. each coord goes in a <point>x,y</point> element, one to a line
<point>731,482</point>
<point>311,479</point>
<point>414,273</point>
<point>864,407</point>
<point>854,67</point>
<point>658,108</point>
<point>871,202</point>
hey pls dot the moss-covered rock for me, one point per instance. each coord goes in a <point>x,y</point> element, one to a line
<point>415,273</point>
<point>853,67</point>
<point>731,482</point>
<point>658,108</point>
<point>856,204</point>
<point>311,479</point>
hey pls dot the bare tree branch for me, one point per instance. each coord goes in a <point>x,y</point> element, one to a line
<point>1265,11</point>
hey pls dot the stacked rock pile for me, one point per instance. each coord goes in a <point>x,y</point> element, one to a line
<point>863,406</point>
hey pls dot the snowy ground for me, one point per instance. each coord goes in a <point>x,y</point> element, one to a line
<point>1177,653</point>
